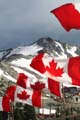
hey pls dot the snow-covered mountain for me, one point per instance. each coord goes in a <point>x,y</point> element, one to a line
<point>16,60</point>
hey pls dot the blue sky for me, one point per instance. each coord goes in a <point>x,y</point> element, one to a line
<point>25,21</point>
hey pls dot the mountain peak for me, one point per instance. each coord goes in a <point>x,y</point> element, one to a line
<point>45,40</point>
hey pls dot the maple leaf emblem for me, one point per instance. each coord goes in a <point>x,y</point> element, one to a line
<point>38,86</point>
<point>54,70</point>
<point>23,95</point>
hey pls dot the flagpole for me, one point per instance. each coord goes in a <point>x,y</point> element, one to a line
<point>43,104</point>
<point>12,110</point>
<point>63,101</point>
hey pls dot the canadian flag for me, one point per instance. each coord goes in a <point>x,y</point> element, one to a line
<point>68,15</point>
<point>27,96</point>
<point>40,85</point>
<point>61,70</point>
<point>24,80</point>
<point>52,86</point>
<point>55,87</point>
<point>45,64</point>
<point>74,70</point>
<point>5,104</point>
<point>38,64</point>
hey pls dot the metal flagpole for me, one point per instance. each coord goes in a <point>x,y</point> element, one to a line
<point>63,100</point>
<point>12,110</point>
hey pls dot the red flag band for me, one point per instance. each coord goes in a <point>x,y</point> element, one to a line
<point>68,15</point>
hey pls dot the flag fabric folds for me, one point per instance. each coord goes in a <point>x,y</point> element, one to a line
<point>22,80</point>
<point>39,63</point>
<point>44,62</point>
<point>42,85</point>
<point>5,104</point>
<point>64,71</point>
<point>10,92</point>
<point>25,81</point>
<point>74,70</point>
<point>54,87</point>
<point>68,15</point>
<point>29,90</point>
<point>38,86</point>
<point>27,96</point>
<point>54,69</point>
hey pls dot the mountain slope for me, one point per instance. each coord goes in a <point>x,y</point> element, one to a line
<point>14,61</point>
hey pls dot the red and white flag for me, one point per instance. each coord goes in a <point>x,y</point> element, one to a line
<point>27,96</point>
<point>61,70</point>
<point>68,15</point>
<point>10,92</point>
<point>5,104</point>
<point>41,84</point>
<point>73,70</point>
<point>55,87</point>
<point>24,81</point>
<point>52,86</point>
<point>38,85</point>
<point>37,63</point>
<point>48,66</point>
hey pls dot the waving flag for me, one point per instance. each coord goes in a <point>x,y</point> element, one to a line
<point>23,95</point>
<point>38,86</point>
<point>39,63</point>
<point>10,92</point>
<point>54,87</point>
<point>25,81</point>
<point>68,15</point>
<point>27,96</point>
<point>53,69</point>
<point>74,70</point>
<point>61,70</point>
<point>5,104</point>
<point>22,80</point>
<point>41,85</point>
<point>48,65</point>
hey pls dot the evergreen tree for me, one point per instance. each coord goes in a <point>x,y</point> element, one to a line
<point>29,113</point>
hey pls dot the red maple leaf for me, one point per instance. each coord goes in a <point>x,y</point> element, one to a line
<point>53,69</point>
<point>23,95</point>
<point>38,86</point>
